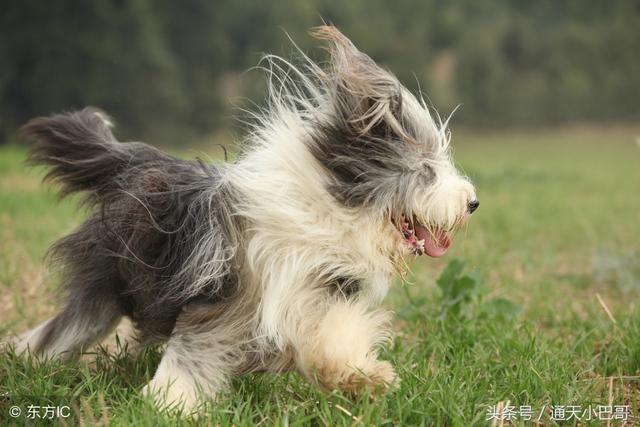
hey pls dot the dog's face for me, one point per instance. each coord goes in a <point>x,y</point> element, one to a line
<point>385,152</point>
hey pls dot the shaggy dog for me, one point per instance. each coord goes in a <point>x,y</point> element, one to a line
<point>278,260</point>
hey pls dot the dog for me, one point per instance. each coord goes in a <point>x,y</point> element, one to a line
<point>278,260</point>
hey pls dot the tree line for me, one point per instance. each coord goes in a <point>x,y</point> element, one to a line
<point>169,71</point>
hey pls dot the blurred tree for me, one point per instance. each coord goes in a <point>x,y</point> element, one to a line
<point>167,70</point>
<point>68,54</point>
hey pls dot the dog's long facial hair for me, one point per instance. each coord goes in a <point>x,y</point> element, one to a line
<point>277,260</point>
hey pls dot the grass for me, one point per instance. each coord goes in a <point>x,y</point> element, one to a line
<point>539,309</point>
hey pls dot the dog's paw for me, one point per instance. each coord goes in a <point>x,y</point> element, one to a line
<point>376,376</point>
<point>171,397</point>
<point>384,374</point>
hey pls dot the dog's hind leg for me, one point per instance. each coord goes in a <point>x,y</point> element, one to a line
<point>92,285</point>
<point>80,324</point>
<point>200,357</point>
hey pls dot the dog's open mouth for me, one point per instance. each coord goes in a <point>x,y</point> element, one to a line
<point>421,240</point>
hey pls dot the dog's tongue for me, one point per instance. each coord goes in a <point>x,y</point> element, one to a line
<point>435,245</point>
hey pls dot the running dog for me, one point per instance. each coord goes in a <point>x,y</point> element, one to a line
<point>278,260</point>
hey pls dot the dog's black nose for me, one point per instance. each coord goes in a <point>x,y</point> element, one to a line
<point>473,205</point>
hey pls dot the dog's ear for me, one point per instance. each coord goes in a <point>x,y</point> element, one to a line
<point>366,97</point>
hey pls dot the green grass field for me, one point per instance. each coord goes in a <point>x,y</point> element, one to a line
<point>545,313</point>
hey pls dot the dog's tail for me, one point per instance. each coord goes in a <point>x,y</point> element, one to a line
<point>82,153</point>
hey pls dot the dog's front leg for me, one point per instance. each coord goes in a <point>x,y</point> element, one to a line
<point>341,353</point>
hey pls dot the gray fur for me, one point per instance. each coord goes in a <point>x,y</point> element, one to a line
<point>162,234</point>
<point>375,151</point>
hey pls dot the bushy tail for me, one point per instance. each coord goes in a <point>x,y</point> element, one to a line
<point>82,153</point>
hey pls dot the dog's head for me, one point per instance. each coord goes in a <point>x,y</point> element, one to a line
<point>385,152</point>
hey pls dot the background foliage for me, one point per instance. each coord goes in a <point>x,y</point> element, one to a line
<point>167,70</point>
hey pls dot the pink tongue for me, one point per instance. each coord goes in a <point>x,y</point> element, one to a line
<point>435,246</point>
